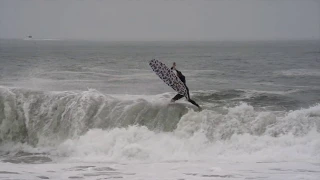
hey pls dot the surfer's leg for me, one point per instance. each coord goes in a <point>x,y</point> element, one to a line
<point>188,95</point>
<point>190,100</point>
<point>177,97</point>
<point>194,103</point>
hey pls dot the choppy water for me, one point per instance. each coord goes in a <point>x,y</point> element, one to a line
<point>95,110</point>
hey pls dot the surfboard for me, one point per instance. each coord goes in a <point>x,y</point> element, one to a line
<point>168,76</point>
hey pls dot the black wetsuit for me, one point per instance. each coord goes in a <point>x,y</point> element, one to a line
<point>179,96</point>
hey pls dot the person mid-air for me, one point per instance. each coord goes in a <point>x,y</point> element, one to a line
<point>183,79</point>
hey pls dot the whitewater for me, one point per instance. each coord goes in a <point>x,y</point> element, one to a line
<point>95,110</point>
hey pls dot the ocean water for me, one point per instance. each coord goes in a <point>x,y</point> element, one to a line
<point>95,110</point>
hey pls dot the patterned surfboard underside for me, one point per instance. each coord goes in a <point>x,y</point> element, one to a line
<point>168,76</point>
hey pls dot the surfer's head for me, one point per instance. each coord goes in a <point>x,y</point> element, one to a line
<point>174,64</point>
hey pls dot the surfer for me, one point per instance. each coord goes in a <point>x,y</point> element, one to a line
<point>183,79</point>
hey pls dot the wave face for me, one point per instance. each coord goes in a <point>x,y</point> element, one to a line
<point>41,117</point>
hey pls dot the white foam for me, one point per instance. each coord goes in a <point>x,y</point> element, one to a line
<point>199,136</point>
<point>140,144</point>
<point>238,142</point>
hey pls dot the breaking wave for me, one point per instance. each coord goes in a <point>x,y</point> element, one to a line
<point>91,126</point>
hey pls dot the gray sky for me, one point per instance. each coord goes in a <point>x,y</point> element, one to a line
<point>161,19</point>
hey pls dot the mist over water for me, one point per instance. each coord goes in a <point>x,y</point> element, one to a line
<point>70,103</point>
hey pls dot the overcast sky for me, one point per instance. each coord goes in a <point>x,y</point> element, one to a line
<point>161,19</point>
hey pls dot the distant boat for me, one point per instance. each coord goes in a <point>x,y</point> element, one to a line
<point>36,39</point>
<point>28,38</point>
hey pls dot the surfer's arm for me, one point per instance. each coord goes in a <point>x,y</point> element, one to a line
<point>181,76</point>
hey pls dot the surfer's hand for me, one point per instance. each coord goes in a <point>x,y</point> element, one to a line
<point>174,65</point>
